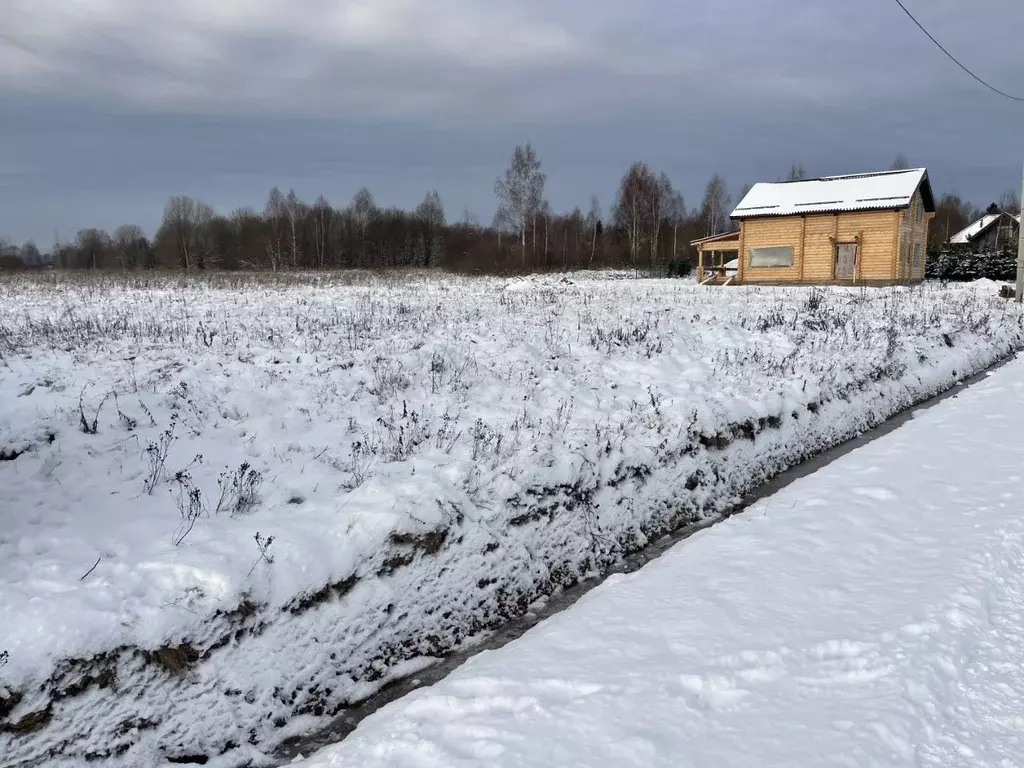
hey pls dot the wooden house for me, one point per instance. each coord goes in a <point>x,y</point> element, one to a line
<point>992,232</point>
<point>864,229</point>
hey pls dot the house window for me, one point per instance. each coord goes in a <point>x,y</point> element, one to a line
<point>918,211</point>
<point>774,256</point>
<point>917,258</point>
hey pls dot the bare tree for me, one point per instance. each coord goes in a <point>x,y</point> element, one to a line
<point>638,194</point>
<point>1009,202</point>
<point>276,212</point>
<point>660,209</point>
<point>322,214</point>
<point>572,224</point>
<point>430,216</point>
<point>713,209</point>
<point>593,224</point>
<point>677,215</point>
<point>10,256</point>
<point>183,231</point>
<point>30,255</point>
<point>294,211</point>
<point>899,163</point>
<point>951,215</point>
<point>252,238</point>
<point>797,173</point>
<point>131,245</point>
<point>363,207</point>
<point>544,212</point>
<point>93,246</point>
<point>363,210</point>
<point>521,191</point>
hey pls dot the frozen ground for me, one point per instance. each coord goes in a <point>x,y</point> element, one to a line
<point>428,454</point>
<point>870,614</point>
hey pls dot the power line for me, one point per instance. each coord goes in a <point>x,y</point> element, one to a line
<point>954,58</point>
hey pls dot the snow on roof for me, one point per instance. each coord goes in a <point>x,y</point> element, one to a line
<point>864,191</point>
<point>974,229</point>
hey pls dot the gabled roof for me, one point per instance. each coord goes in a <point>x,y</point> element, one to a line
<point>975,228</point>
<point>979,227</point>
<point>863,191</point>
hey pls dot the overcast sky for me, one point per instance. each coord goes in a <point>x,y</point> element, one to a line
<point>107,107</point>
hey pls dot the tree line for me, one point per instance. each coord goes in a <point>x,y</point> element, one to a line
<point>647,227</point>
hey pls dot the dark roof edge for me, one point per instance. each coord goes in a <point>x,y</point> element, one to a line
<point>926,193</point>
<point>719,236</point>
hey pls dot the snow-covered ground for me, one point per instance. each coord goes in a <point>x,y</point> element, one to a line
<point>233,504</point>
<point>870,614</point>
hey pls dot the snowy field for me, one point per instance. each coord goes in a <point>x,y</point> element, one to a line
<point>870,614</point>
<point>231,505</point>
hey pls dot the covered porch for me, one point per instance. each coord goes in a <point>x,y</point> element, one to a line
<point>717,258</point>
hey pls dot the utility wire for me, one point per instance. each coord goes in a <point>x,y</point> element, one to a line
<point>954,58</point>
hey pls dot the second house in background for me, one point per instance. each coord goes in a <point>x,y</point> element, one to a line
<point>990,233</point>
<point>866,228</point>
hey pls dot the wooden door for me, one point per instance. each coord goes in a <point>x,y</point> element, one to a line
<point>846,261</point>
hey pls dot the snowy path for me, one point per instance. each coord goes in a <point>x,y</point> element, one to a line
<point>869,614</point>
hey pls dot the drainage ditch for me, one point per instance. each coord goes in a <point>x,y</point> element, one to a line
<point>346,722</point>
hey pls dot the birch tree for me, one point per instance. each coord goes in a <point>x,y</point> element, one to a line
<point>363,208</point>
<point>521,191</point>
<point>293,210</point>
<point>796,173</point>
<point>714,207</point>
<point>677,215</point>
<point>544,212</point>
<point>660,203</point>
<point>637,196</point>
<point>276,213</point>
<point>501,222</point>
<point>322,215</point>
<point>575,225</point>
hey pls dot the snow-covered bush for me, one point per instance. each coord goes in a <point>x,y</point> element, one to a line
<point>960,263</point>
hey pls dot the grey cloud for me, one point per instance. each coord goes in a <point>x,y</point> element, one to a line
<point>116,104</point>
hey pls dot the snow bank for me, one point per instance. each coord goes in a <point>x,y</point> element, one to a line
<point>870,614</point>
<point>425,457</point>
